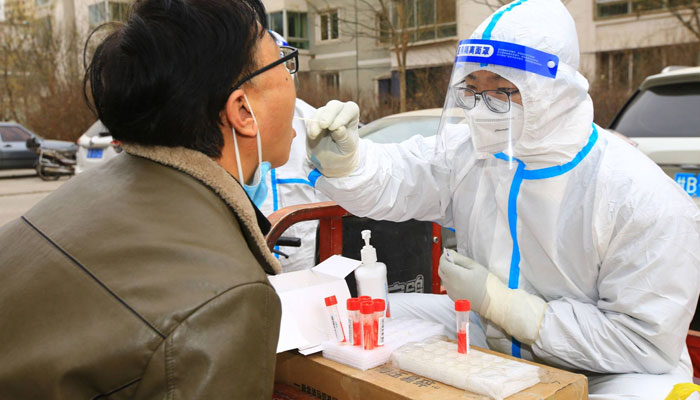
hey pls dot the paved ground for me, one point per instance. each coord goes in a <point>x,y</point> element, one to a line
<point>20,189</point>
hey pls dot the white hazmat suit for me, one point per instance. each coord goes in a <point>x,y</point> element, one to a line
<point>596,229</point>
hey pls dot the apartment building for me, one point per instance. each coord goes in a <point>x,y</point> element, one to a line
<point>345,44</point>
<point>621,41</point>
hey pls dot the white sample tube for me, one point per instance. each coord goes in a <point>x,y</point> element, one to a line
<point>332,307</point>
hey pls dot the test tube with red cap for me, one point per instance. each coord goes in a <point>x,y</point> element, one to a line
<point>332,307</point>
<point>364,298</point>
<point>379,307</point>
<point>462,308</point>
<point>367,319</point>
<point>354,328</point>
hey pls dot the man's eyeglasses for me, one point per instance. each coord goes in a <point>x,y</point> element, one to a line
<point>288,55</point>
<point>497,101</point>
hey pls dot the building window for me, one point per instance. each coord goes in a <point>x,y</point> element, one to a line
<point>329,25</point>
<point>293,26</point>
<point>40,3</point>
<point>423,19</point>
<point>276,20</point>
<point>96,14</point>
<point>297,30</point>
<point>117,11</point>
<point>331,80</point>
<point>626,69</point>
<point>621,8</point>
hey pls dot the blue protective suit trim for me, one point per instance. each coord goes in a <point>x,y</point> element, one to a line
<point>299,181</point>
<point>522,174</point>
<point>514,275</point>
<point>273,183</point>
<point>544,173</point>
<point>487,32</point>
<point>313,177</point>
<point>515,348</point>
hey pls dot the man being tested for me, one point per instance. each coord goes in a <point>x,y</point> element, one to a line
<point>574,248</point>
<point>146,278</point>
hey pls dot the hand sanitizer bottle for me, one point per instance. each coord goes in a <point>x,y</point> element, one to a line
<point>371,275</point>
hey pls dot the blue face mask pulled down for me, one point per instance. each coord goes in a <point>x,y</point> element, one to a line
<point>257,191</point>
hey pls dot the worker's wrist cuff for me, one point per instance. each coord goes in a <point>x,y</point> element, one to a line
<point>518,312</point>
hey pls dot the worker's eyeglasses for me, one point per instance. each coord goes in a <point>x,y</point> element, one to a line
<point>497,101</point>
<point>288,55</point>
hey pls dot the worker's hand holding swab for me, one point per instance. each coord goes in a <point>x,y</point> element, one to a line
<point>516,311</point>
<point>332,139</point>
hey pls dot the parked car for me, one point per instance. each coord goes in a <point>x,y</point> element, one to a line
<point>14,153</point>
<point>662,118</point>
<point>55,160</point>
<point>96,147</point>
<point>398,127</point>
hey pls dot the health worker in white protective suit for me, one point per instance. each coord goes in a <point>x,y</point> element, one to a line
<point>288,186</point>
<point>575,249</point>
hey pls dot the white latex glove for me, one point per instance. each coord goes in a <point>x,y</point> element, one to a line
<point>519,313</point>
<point>331,138</point>
<point>464,278</point>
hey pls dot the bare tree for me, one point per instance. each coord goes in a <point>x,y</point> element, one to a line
<point>41,75</point>
<point>687,12</point>
<point>395,24</point>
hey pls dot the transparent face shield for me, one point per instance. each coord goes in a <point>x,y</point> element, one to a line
<point>483,110</point>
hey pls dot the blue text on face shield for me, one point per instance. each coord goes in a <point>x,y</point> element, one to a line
<point>508,55</point>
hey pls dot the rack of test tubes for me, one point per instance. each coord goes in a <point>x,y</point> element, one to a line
<point>368,338</point>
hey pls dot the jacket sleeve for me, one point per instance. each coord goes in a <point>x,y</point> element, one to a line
<point>394,182</point>
<point>648,289</point>
<point>226,349</point>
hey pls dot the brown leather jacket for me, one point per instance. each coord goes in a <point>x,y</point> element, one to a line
<point>142,279</point>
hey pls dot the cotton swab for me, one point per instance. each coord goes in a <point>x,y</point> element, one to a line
<point>306,119</point>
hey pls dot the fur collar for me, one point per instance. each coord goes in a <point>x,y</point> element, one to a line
<point>211,174</point>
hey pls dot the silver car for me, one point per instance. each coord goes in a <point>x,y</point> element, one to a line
<point>662,118</point>
<point>398,127</point>
<point>14,153</point>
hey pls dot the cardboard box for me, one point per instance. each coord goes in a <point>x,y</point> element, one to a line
<point>305,322</point>
<point>329,380</point>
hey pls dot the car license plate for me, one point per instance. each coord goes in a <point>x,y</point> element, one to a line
<point>689,182</point>
<point>95,153</point>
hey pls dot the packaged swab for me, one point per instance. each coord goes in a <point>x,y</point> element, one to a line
<point>332,307</point>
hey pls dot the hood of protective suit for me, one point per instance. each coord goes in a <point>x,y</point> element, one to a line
<point>558,112</point>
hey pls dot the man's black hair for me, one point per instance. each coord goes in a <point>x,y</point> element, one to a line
<point>164,76</point>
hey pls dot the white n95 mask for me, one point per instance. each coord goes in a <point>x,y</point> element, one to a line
<point>495,132</point>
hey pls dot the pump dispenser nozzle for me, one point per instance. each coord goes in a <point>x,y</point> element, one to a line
<point>368,253</point>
